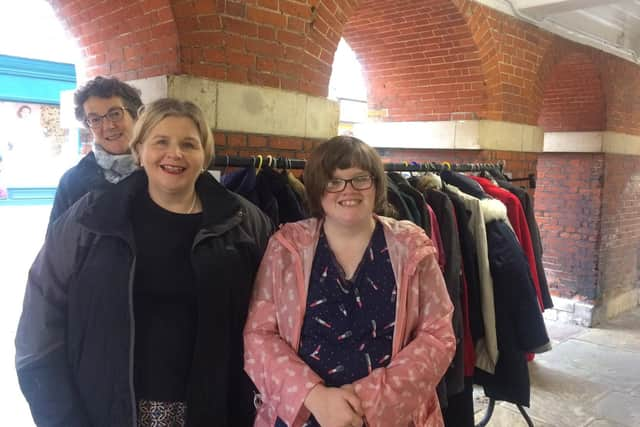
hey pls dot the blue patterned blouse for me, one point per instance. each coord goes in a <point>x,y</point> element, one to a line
<point>348,325</point>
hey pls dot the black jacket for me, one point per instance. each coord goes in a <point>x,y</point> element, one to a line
<point>470,266</point>
<point>74,345</point>
<point>86,176</point>
<point>444,211</point>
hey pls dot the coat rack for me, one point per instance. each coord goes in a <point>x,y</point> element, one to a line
<point>288,163</point>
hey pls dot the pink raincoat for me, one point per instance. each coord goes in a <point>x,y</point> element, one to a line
<point>401,394</point>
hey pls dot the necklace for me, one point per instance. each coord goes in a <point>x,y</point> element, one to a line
<point>193,204</point>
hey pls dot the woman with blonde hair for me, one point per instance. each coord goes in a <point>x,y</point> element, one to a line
<point>134,307</point>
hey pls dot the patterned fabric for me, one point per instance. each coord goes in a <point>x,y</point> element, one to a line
<point>399,395</point>
<point>116,166</point>
<point>348,326</point>
<point>161,414</point>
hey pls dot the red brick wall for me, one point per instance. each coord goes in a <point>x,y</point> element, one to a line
<point>286,44</point>
<point>426,60</point>
<point>511,52</point>
<point>419,58</point>
<point>277,43</point>
<point>247,145</point>
<point>568,211</point>
<point>622,88</point>
<point>620,232</point>
<point>517,163</point>
<point>130,40</point>
<point>573,98</point>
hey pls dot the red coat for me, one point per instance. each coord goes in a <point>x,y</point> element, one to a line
<point>518,221</point>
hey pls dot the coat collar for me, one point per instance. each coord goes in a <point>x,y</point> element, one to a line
<point>306,233</point>
<point>108,211</point>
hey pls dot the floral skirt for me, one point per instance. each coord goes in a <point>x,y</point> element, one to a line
<point>161,414</point>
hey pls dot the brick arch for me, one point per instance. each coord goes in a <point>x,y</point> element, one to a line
<point>572,93</point>
<point>129,40</point>
<point>512,52</point>
<point>277,43</point>
<point>283,44</point>
<point>419,59</point>
<point>479,20</point>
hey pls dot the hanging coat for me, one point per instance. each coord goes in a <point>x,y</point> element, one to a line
<point>443,210</point>
<point>527,204</point>
<point>519,323</point>
<point>486,347</point>
<point>518,221</point>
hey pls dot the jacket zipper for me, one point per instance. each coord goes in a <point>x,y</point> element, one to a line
<point>401,321</point>
<point>132,340</point>
<point>302,290</point>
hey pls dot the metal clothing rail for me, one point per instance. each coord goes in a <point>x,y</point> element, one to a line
<point>257,162</point>
<point>288,163</point>
<point>489,413</point>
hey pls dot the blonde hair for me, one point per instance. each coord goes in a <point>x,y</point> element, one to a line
<point>152,114</point>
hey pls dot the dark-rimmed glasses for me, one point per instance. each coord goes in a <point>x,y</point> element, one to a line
<point>114,115</point>
<point>360,182</point>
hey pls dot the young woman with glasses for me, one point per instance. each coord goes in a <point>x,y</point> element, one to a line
<point>350,321</point>
<point>109,108</point>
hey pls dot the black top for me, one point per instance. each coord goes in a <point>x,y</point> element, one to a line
<point>164,300</point>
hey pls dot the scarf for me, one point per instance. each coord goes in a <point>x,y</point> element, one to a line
<point>116,167</point>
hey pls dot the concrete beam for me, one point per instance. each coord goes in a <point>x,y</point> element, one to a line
<point>592,142</point>
<point>453,135</point>
<point>244,108</point>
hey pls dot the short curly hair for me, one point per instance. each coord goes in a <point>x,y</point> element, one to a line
<point>107,87</point>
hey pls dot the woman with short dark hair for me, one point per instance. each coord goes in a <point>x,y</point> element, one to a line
<point>350,320</point>
<point>108,107</point>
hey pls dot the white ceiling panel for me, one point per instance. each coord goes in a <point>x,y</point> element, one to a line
<point>609,25</point>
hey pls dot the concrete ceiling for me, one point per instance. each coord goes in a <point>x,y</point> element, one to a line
<point>609,25</point>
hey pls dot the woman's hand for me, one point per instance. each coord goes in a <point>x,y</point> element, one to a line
<point>335,407</point>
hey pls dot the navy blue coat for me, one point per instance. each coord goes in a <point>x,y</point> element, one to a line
<point>519,323</point>
<point>74,345</point>
<point>86,176</point>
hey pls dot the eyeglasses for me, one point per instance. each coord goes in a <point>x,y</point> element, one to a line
<point>114,115</point>
<point>361,182</point>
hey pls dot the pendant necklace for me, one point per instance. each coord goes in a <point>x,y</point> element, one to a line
<point>193,205</point>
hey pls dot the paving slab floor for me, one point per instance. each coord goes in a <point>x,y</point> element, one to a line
<point>591,378</point>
